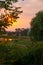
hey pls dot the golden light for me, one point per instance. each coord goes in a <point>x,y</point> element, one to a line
<point>9,18</point>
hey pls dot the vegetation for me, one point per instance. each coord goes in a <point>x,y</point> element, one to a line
<point>22,52</point>
<point>19,49</point>
<point>37,26</point>
<point>10,14</point>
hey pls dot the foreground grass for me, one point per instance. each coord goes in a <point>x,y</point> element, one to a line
<point>21,52</point>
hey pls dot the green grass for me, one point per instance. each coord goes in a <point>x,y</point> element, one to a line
<point>12,52</point>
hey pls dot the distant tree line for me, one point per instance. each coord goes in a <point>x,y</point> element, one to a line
<point>18,32</point>
<point>21,32</point>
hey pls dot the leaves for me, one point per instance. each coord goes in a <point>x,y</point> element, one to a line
<point>37,26</point>
<point>10,17</point>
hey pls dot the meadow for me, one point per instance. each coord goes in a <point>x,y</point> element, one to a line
<point>21,51</point>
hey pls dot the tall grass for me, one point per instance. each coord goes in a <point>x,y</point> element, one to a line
<point>21,52</point>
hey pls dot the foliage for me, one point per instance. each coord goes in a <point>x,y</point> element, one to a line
<point>21,32</point>
<point>21,53</point>
<point>5,3</point>
<point>32,58</point>
<point>37,26</point>
<point>10,14</point>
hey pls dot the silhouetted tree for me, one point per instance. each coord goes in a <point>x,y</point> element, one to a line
<point>21,32</point>
<point>18,31</point>
<point>10,13</point>
<point>25,32</point>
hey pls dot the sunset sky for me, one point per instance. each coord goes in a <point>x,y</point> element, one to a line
<point>29,7</point>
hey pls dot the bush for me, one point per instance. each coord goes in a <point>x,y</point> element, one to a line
<point>32,58</point>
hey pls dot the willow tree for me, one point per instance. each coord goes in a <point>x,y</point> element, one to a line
<point>9,15</point>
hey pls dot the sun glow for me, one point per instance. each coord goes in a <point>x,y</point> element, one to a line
<point>9,18</point>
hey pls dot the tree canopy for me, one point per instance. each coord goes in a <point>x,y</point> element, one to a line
<point>10,13</point>
<point>5,3</point>
<point>37,26</point>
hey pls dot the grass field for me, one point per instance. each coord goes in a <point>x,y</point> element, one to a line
<point>21,51</point>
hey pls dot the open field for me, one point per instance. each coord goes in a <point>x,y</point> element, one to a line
<point>21,51</point>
